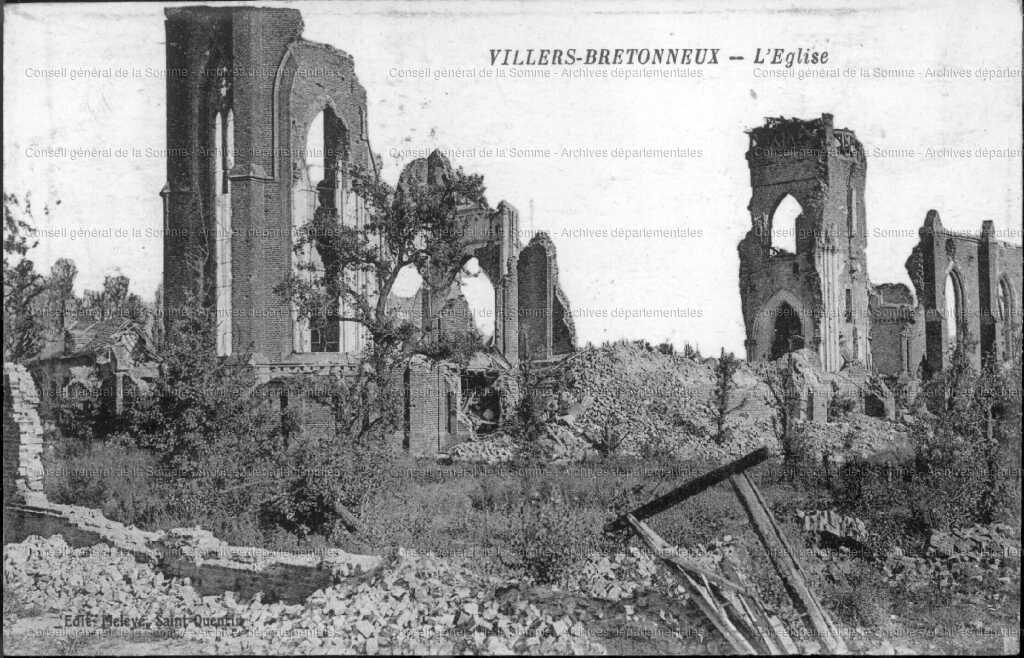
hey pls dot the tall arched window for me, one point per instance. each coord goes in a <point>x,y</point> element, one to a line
<point>322,188</point>
<point>784,224</point>
<point>954,311</point>
<point>223,155</point>
<point>479,292</point>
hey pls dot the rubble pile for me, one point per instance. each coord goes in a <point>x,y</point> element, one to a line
<point>958,555</point>
<point>641,396</point>
<point>563,443</point>
<point>856,438</point>
<point>99,580</point>
<point>416,604</point>
<point>614,578</point>
<point>489,449</point>
<point>646,402</point>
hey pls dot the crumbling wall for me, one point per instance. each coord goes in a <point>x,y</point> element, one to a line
<point>897,332</point>
<point>23,437</point>
<point>986,281</point>
<point>489,235</point>
<point>546,327</point>
<point>432,395</point>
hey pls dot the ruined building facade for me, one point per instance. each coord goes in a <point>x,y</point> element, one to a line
<point>246,96</point>
<point>263,128</point>
<point>815,292</point>
<point>968,287</point>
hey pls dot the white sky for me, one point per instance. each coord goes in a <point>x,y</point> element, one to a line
<point>692,278</point>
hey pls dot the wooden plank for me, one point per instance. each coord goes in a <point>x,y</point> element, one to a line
<point>781,634</point>
<point>703,598</point>
<point>667,552</point>
<point>786,564</point>
<point>689,489</point>
<point>796,562</point>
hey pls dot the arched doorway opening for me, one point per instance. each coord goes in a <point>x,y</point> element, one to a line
<point>787,335</point>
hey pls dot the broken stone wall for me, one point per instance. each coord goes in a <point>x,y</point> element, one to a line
<point>432,394</point>
<point>897,332</point>
<point>23,437</point>
<point>546,327</point>
<point>985,278</point>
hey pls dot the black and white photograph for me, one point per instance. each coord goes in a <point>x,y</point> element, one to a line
<point>507,327</point>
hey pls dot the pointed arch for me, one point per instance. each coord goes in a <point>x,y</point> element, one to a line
<point>783,223</point>
<point>784,312</point>
<point>480,294</point>
<point>954,312</point>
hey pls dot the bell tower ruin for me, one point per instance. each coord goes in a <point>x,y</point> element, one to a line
<point>803,267</point>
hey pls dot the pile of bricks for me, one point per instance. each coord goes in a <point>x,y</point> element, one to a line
<point>416,604</point>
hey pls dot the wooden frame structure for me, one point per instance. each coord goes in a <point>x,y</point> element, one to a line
<point>735,611</point>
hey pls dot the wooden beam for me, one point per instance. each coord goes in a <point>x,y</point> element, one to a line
<point>702,597</point>
<point>690,489</point>
<point>786,564</point>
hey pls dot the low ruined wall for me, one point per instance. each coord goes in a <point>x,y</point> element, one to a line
<point>212,565</point>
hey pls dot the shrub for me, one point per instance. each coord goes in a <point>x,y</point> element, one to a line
<point>725,368</point>
<point>548,538</point>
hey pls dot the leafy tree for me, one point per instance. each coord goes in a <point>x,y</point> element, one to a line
<point>414,224</point>
<point>61,284</point>
<point>22,283</point>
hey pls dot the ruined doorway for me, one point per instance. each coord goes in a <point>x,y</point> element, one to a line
<point>788,335</point>
<point>482,399</point>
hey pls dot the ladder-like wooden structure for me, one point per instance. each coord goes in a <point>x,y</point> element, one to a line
<point>735,611</point>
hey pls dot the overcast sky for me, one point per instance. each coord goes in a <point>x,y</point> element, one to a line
<point>695,197</point>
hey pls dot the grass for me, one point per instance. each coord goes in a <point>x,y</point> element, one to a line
<point>519,520</point>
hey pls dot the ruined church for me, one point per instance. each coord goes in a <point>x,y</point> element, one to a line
<point>262,127</point>
<point>803,268</point>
